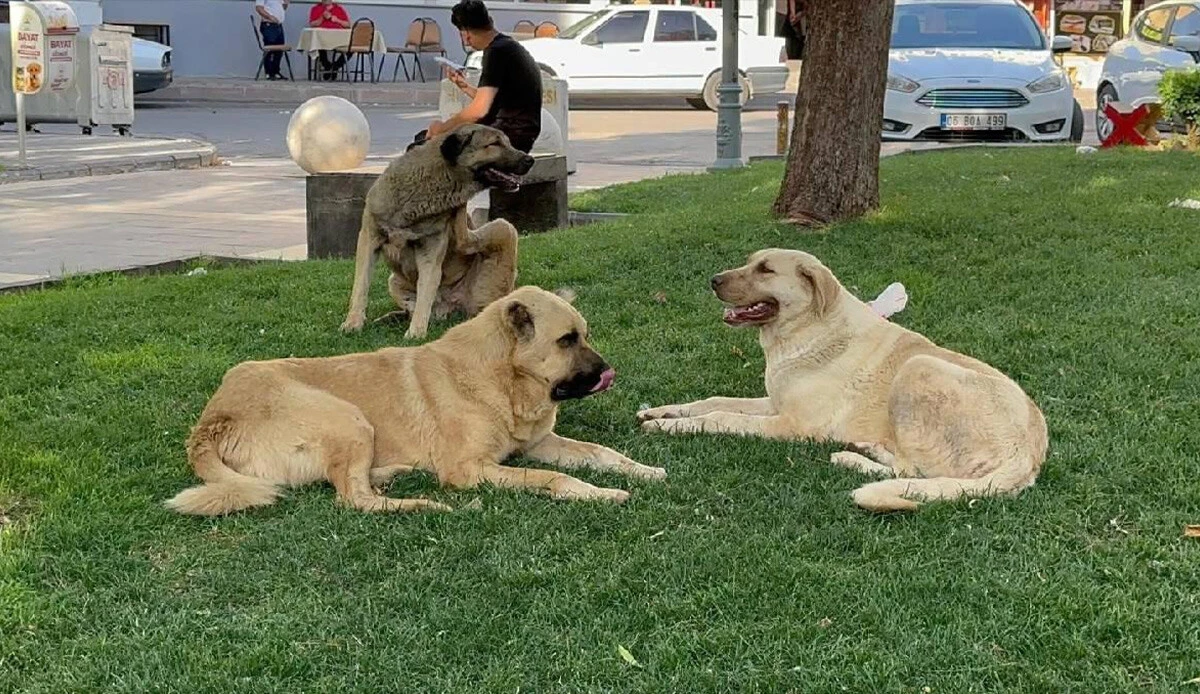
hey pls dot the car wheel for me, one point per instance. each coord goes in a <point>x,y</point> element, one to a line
<point>1104,97</point>
<point>712,99</point>
<point>1077,123</point>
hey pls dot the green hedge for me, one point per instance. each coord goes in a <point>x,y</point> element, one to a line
<point>1180,92</point>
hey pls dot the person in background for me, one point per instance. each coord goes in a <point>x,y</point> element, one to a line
<point>509,96</point>
<point>327,14</point>
<point>789,23</point>
<point>270,14</point>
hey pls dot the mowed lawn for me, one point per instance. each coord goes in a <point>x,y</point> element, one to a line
<point>748,570</point>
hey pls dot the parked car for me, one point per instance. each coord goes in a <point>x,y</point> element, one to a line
<point>151,66</point>
<point>151,61</point>
<point>1163,37</point>
<point>977,70</point>
<point>655,50</point>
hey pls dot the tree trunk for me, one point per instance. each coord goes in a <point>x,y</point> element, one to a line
<point>833,161</point>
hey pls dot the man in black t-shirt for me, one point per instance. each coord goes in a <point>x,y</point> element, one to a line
<point>509,96</point>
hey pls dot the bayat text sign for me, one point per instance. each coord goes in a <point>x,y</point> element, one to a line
<point>28,49</point>
<point>61,28</point>
<point>62,62</point>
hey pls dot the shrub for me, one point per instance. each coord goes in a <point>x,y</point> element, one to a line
<point>1180,91</point>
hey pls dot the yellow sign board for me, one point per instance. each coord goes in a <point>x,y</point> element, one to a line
<point>28,49</point>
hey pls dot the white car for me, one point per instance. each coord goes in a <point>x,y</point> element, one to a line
<point>151,66</point>
<point>655,50</point>
<point>976,70</point>
<point>1163,37</point>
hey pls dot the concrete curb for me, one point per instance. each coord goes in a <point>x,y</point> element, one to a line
<point>578,219</point>
<point>204,156</point>
<point>161,268</point>
<point>295,93</point>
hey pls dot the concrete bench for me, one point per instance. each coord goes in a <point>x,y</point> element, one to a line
<point>541,202</point>
<point>334,205</point>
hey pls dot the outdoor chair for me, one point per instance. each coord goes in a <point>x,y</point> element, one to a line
<point>424,36</point>
<point>360,48</point>
<point>546,29</point>
<point>267,50</point>
<point>523,29</point>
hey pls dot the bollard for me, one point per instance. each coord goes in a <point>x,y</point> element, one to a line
<point>781,127</point>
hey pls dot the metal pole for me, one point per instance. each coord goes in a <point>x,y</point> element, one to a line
<point>729,112</point>
<point>21,127</point>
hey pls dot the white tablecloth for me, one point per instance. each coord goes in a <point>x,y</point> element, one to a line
<point>313,40</point>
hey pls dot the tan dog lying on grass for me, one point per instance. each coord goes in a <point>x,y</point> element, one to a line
<point>944,424</point>
<point>457,407</point>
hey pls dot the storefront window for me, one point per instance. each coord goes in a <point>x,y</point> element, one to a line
<point>1092,25</point>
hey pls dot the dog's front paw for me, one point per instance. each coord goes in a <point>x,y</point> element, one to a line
<point>645,472</point>
<point>415,332</point>
<point>664,412</point>
<point>578,490</point>
<point>353,323</point>
<point>616,496</point>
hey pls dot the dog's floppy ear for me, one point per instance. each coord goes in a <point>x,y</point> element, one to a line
<point>824,285</point>
<point>520,320</point>
<point>454,144</point>
<point>566,294</point>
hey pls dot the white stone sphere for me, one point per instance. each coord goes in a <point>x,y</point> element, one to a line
<point>550,140</point>
<point>328,133</point>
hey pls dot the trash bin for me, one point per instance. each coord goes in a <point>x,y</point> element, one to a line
<point>88,78</point>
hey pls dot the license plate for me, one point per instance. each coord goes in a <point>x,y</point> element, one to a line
<point>974,121</point>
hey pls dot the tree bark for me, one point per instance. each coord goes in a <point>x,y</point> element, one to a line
<point>833,160</point>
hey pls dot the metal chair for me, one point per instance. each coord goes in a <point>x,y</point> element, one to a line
<point>267,50</point>
<point>524,29</point>
<point>361,46</point>
<point>424,36</point>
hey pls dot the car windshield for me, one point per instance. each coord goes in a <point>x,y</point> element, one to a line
<point>582,25</point>
<point>965,25</point>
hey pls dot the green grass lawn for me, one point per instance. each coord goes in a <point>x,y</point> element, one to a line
<point>748,570</point>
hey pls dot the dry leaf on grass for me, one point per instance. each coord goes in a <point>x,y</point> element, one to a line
<point>825,623</point>
<point>660,297</point>
<point>627,656</point>
<point>1191,531</point>
<point>1193,681</point>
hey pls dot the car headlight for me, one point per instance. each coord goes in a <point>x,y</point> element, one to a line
<point>898,83</point>
<point>166,61</point>
<point>1050,83</point>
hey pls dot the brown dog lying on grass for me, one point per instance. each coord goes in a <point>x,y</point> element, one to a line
<point>457,407</point>
<point>944,424</point>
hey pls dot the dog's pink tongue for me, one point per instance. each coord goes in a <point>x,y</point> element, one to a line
<point>606,380</point>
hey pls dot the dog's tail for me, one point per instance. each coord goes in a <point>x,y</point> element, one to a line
<point>906,494</point>
<point>224,490</point>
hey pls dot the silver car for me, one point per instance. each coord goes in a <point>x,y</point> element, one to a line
<point>1165,36</point>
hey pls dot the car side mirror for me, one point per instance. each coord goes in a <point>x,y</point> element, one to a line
<point>1187,44</point>
<point>590,40</point>
<point>1061,44</point>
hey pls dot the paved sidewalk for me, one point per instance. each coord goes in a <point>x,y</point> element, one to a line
<point>54,156</point>
<point>250,209</point>
<point>288,93</point>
